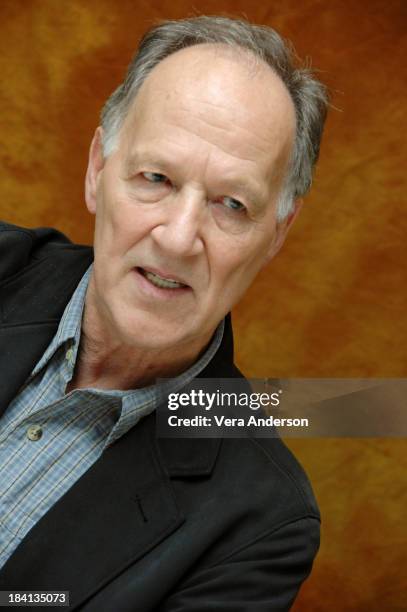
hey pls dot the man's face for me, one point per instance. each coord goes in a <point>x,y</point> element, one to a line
<point>186,205</point>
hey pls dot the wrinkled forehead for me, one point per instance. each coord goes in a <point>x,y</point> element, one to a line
<point>233,82</point>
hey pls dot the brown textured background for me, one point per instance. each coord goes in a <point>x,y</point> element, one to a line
<point>332,303</point>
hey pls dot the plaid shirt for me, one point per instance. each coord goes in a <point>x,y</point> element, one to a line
<point>49,439</point>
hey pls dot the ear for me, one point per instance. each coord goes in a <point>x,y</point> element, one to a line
<point>282,228</point>
<point>95,166</point>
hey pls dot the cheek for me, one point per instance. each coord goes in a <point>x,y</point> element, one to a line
<point>240,260</point>
<point>119,226</point>
<point>229,274</point>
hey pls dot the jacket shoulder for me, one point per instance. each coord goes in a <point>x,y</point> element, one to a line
<point>39,270</point>
<point>274,477</point>
<point>20,245</point>
<point>282,459</point>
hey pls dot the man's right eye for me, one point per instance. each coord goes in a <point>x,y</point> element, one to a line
<point>154,177</point>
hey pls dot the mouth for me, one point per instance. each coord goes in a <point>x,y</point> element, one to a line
<point>162,282</point>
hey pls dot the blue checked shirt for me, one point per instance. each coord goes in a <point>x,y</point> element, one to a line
<point>48,439</point>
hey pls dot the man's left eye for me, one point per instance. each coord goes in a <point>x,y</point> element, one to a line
<point>233,204</point>
<point>155,177</point>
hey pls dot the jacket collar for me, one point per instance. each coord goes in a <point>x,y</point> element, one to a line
<point>32,302</point>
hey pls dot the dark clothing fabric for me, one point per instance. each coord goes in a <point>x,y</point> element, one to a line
<point>167,525</point>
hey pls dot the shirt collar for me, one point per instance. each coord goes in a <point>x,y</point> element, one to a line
<point>69,329</point>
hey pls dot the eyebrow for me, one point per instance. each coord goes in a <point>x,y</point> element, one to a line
<point>243,188</point>
<point>138,158</point>
<point>249,192</point>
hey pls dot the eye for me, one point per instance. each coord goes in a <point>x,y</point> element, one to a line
<point>154,177</point>
<point>233,204</point>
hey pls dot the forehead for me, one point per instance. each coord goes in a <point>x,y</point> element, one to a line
<point>233,81</point>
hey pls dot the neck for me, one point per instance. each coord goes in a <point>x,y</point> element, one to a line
<point>106,363</point>
<point>123,368</point>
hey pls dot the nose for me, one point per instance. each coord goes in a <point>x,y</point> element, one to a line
<point>179,231</point>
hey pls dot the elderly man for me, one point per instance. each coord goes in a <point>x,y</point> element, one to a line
<point>195,177</point>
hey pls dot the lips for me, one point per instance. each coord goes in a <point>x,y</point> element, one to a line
<point>161,280</point>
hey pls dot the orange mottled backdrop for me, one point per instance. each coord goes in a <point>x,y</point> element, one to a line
<point>333,303</point>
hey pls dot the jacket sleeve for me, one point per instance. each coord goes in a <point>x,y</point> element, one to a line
<point>262,577</point>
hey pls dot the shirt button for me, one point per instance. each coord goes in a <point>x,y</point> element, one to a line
<point>69,355</point>
<point>34,432</point>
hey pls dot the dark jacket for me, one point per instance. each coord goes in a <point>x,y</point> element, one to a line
<point>155,524</point>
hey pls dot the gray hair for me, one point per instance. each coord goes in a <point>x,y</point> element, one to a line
<point>309,96</point>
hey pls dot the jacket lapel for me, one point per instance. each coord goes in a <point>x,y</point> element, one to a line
<point>21,346</point>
